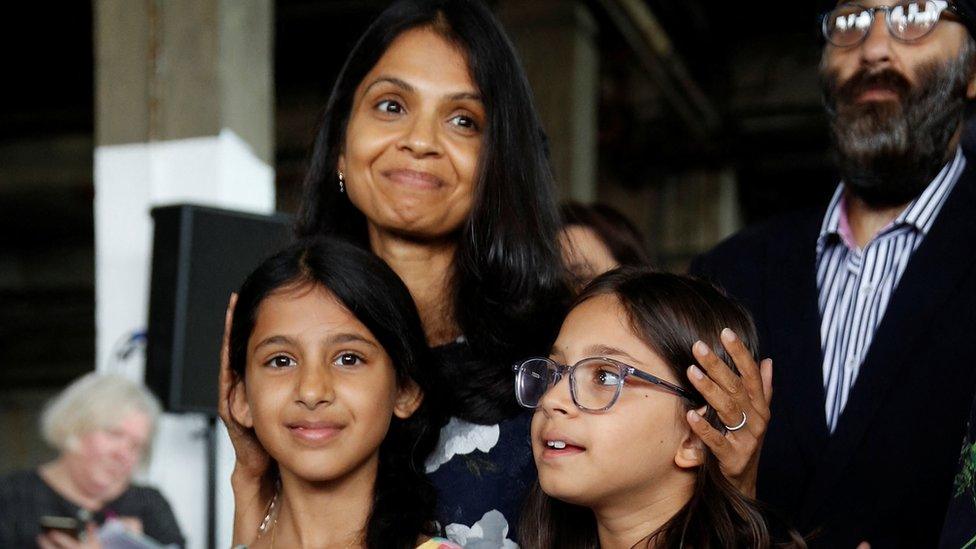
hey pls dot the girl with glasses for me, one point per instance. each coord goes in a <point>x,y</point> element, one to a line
<point>332,373</point>
<point>618,464</point>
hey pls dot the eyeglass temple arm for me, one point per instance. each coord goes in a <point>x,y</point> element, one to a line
<point>681,391</point>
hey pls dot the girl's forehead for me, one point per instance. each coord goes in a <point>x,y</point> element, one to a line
<point>601,326</point>
<point>598,322</point>
<point>308,308</point>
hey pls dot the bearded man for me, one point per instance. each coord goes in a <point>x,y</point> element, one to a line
<point>868,306</point>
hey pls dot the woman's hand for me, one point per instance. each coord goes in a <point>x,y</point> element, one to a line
<point>732,396</point>
<point>251,479</point>
<point>59,540</point>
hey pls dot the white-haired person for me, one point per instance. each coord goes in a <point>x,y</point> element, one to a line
<point>102,427</point>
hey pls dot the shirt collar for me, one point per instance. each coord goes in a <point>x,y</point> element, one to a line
<point>920,213</point>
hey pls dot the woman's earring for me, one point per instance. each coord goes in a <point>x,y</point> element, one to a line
<point>342,183</point>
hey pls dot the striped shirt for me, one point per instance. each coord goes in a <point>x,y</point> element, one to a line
<point>856,284</point>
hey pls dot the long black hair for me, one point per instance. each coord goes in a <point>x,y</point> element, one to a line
<point>669,313</point>
<point>403,500</point>
<point>508,282</point>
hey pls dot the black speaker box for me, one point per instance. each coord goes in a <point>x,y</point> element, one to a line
<point>200,255</point>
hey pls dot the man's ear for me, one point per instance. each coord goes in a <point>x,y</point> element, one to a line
<point>971,88</point>
<point>240,410</point>
<point>691,451</point>
<point>408,399</point>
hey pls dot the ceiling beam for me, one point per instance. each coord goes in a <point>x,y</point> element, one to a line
<point>647,37</point>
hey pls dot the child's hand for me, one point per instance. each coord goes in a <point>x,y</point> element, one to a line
<point>732,396</point>
<point>250,480</point>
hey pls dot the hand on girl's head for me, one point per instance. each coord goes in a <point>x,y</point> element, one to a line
<point>739,401</point>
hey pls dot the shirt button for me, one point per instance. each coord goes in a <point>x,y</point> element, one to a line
<point>867,287</point>
<point>850,364</point>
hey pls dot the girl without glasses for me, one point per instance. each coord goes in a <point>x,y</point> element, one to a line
<point>334,378</point>
<point>430,155</point>
<point>618,466</point>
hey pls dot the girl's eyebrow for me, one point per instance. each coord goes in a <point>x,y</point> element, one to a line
<point>555,351</point>
<point>274,340</point>
<point>350,337</point>
<point>606,350</point>
<point>336,339</point>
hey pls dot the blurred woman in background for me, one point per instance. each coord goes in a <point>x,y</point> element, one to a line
<point>102,427</point>
<point>596,238</point>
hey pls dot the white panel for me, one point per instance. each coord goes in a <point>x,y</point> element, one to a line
<point>129,180</point>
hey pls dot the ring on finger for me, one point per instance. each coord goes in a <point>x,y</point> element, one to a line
<point>737,427</point>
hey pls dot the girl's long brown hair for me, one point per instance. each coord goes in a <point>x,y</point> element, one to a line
<point>669,313</point>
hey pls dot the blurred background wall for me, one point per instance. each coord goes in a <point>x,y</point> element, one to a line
<point>694,118</point>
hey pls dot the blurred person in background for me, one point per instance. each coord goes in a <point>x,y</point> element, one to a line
<point>596,238</point>
<point>868,303</point>
<point>102,427</point>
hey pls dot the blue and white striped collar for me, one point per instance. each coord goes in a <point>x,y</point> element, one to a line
<point>920,213</point>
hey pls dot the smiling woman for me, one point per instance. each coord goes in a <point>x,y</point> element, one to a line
<point>412,165</point>
<point>444,174</point>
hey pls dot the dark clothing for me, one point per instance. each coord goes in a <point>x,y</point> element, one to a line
<point>885,474</point>
<point>482,472</point>
<point>25,498</point>
<point>960,523</point>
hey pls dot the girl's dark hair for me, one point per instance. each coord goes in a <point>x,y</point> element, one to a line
<point>669,313</point>
<point>616,231</point>
<point>509,284</point>
<point>403,501</point>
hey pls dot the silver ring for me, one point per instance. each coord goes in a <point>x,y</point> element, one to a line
<point>739,426</point>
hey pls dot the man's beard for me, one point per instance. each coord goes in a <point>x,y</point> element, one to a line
<point>889,151</point>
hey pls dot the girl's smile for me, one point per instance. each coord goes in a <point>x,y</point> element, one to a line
<point>314,433</point>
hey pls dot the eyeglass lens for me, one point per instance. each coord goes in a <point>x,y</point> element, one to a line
<point>907,21</point>
<point>595,383</point>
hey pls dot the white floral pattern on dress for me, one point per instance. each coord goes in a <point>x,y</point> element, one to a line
<point>460,437</point>
<point>491,532</point>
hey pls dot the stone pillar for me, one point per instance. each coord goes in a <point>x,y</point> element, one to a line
<point>184,113</point>
<point>556,40</point>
